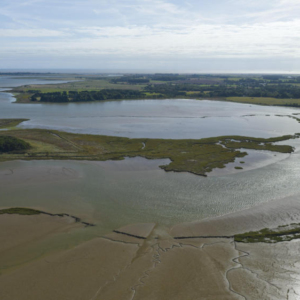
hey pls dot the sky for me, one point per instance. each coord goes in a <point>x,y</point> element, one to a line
<point>151,35</point>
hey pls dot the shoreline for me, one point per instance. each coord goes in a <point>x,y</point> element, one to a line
<point>15,93</point>
<point>21,211</point>
<point>273,213</point>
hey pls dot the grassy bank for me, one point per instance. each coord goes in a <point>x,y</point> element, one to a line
<point>265,101</point>
<point>195,156</point>
<point>20,211</point>
<point>29,212</point>
<point>9,123</point>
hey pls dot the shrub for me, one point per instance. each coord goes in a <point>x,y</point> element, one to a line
<point>9,144</point>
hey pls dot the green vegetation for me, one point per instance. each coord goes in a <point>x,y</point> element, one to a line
<point>194,156</point>
<point>10,143</point>
<point>238,168</point>
<point>266,235</point>
<point>85,96</point>
<point>264,90</point>
<point>265,101</point>
<point>30,212</point>
<point>20,211</point>
<point>8,123</point>
<point>131,79</point>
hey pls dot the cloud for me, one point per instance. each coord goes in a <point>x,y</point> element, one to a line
<point>268,10</point>
<point>30,33</point>
<point>159,28</point>
<point>203,40</point>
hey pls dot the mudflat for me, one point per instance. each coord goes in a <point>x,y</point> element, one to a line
<point>143,261</point>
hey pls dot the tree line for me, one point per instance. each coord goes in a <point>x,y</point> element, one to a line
<point>85,96</point>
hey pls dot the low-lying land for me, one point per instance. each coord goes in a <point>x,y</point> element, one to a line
<point>278,90</point>
<point>9,123</point>
<point>194,156</point>
<point>126,266</point>
<point>20,211</point>
<point>267,235</point>
<point>29,212</point>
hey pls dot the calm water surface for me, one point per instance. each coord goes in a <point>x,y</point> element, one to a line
<point>176,119</point>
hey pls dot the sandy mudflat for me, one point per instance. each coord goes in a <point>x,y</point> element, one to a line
<point>17,230</point>
<point>119,266</point>
<point>268,271</point>
<point>144,262</point>
<point>25,238</point>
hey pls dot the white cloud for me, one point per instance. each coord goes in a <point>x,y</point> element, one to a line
<point>158,28</point>
<point>203,40</point>
<point>30,33</point>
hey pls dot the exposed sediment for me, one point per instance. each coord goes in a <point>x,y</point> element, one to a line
<point>142,262</point>
<point>131,235</point>
<point>29,211</point>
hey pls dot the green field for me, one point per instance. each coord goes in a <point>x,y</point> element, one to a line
<point>278,90</point>
<point>264,101</point>
<point>24,93</point>
<point>84,85</point>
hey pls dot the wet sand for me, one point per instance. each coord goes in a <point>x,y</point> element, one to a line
<point>143,261</point>
<point>119,266</point>
<point>26,238</point>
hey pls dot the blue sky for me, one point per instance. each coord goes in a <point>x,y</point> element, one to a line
<point>154,35</point>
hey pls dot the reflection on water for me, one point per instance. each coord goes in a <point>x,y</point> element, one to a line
<point>119,193</point>
<point>255,159</point>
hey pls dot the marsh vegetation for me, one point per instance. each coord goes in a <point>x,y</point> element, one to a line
<point>198,156</point>
<point>267,235</point>
<point>20,211</point>
<point>9,123</point>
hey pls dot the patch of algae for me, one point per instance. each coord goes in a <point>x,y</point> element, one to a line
<point>267,235</point>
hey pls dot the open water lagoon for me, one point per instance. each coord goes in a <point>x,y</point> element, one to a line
<point>168,119</point>
<point>173,119</point>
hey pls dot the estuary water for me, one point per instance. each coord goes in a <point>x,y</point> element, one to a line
<point>113,194</point>
<point>173,119</point>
